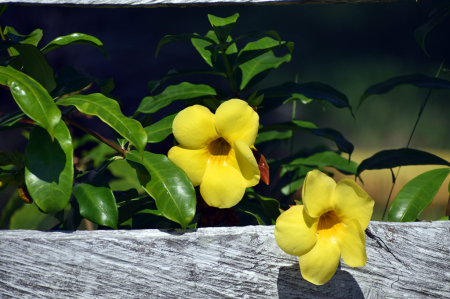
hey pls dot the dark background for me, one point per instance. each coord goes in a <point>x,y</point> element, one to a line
<point>348,46</point>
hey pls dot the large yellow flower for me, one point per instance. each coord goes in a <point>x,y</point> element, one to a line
<point>214,150</point>
<point>331,223</point>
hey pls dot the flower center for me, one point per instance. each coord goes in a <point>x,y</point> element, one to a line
<point>219,147</point>
<point>328,224</point>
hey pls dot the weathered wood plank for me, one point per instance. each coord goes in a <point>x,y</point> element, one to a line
<point>179,3</point>
<point>404,261</point>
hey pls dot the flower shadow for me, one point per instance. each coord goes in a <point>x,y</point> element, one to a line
<point>292,285</point>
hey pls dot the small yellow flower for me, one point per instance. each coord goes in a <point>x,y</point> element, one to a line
<point>214,150</point>
<point>331,223</point>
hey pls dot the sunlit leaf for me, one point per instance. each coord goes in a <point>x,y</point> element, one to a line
<point>49,168</point>
<point>31,39</point>
<point>108,111</point>
<point>417,80</point>
<point>167,184</point>
<point>216,21</point>
<point>32,98</point>
<point>160,130</point>
<point>399,157</point>
<point>416,195</point>
<point>75,39</point>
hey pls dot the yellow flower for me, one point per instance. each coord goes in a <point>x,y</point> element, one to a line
<point>331,223</point>
<point>214,150</point>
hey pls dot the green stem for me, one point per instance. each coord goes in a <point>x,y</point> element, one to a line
<point>4,38</point>
<point>422,107</point>
<point>230,75</point>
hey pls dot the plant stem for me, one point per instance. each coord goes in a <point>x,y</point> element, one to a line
<point>4,38</point>
<point>96,135</point>
<point>230,75</point>
<point>422,107</point>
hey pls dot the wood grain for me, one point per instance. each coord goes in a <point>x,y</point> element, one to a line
<point>179,3</point>
<point>404,261</point>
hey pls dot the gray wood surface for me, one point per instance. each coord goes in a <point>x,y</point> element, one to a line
<point>404,261</point>
<point>180,3</point>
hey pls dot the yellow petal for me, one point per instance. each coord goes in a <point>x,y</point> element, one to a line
<point>193,162</point>
<point>352,201</point>
<point>295,231</point>
<point>194,127</point>
<point>223,185</point>
<point>247,163</point>
<point>236,120</point>
<point>320,263</point>
<point>317,193</point>
<point>352,243</point>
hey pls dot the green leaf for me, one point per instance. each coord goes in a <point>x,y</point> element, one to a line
<point>156,85</point>
<point>5,61</point>
<point>343,144</point>
<point>444,218</point>
<point>417,80</point>
<point>9,119</point>
<point>273,135</point>
<point>109,112</point>
<point>399,157</point>
<point>327,158</point>
<point>216,21</point>
<point>416,195</point>
<point>32,98</point>
<point>160,130</point>
<point>182,91</point>
<point>96,199</point>
<point>126,176</point>
<point>71,79</point>
<point>75,39</point>
<point>36,65</point>
<point>255,210</point>
<point>31,39</point>
<point>279,95</point>
<point>435,17</point>
<point>3,7</point>
<point>49,168</point>
<point>270,206</point>
<point>181,37</point>
<point>27,217</point>
<point>200,45</point>
<point>257,34</point>
<point>167,184</point>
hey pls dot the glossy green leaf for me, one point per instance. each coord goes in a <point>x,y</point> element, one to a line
<point>49,168</point>
<point>216,21</point>
<point>255,49</point>
<point>182,37</point>
<point>96,199</point>
<point>160,130</point>
<point>109,112</point>
<point>257,34</point>
<point>32,98</point>
<point>75,39</point>
<point>167,184</point>
<point>399,157</point>
<point>279,95</point>
<point>126,176</point>
<point>31,39</point>
<point>417,80</point>
<point>328,158</point>
<point>71,79</point>
<point>200,45</point>
<point>156,85</point>
<point>270,206</point>
<point>343,144</point>
<point>272,135</point>
<point>36,65</point>
<point>435,17</point>
<point>416,195</point>
<point>182,91</point>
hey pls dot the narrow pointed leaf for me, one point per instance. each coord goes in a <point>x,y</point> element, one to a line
<point>182,91</point>
<point>327,158</point>
<point>49,168</point>
<point>257,34</point>
<point>167,184</point>
<point>216,21</point>
<point>200,45</point>
<point>36,65</point>
<point>343,144</point>
<point>182,37</point>
<point>417,80</point>
<point>95,198</point>
<point>255,49</point>
<point>436,17</point>
<point>160,130</point>
<point>75,39</point>
<point>32,98</point>
<point>400,157</point>
<point>255,210</point>
<point>108,111</point>
<point>416,195</point>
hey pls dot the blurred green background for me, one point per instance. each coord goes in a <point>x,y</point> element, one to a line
<point>348,46</point>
